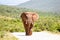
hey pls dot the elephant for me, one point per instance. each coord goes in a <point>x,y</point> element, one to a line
<point>28,19</point>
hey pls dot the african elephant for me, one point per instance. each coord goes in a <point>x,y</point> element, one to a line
<point>28,19</point>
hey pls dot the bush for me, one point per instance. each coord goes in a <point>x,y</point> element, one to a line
<point>47,23</point>
<point>11,25</point>
<point>44,23</point>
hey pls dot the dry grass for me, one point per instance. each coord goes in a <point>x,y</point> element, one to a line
<point>8,36</point>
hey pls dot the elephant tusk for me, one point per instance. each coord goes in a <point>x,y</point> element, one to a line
<point>26,21</point>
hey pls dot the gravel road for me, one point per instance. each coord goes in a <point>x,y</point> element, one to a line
<point>44,35</point>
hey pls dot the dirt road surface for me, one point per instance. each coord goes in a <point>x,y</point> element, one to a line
<point>44,35</point>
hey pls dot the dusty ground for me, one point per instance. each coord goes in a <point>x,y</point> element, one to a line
<point>44,35</point>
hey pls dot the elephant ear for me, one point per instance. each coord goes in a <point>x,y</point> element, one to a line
<point>35,17</point>
<point>23,16</point>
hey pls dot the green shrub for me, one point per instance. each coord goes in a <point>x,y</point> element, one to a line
<point>12,25</point>
<point>44,23</point>
<point>47,23</point>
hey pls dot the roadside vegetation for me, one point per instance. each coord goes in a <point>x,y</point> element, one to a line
<point>6,36</point>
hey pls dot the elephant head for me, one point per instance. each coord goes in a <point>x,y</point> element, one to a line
<point>28,19</point>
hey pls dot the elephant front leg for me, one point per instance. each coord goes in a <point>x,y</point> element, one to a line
<point>31,26</point>
<point>28,29</point>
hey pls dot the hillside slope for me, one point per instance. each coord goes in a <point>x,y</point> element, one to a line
<point>43,5</point>
<point>14,11</point>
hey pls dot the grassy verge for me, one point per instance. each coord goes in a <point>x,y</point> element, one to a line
<point>6,36</point>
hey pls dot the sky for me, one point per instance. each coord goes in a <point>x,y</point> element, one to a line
<point>12,2</point>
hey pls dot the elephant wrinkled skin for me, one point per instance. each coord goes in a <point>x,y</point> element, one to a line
<point>28,19</point>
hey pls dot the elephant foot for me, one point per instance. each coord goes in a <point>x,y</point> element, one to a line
<point>29,33</point>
